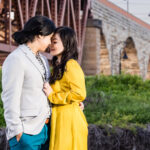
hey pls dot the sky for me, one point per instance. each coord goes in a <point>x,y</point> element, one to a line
<point>138,8</point>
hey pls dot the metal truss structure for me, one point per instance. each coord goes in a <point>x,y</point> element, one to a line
<point>14,14</point>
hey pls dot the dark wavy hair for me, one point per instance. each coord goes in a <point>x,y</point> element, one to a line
<point>69,40</point>
<point>37,25</point>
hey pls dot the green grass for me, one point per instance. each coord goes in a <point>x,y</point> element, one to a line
<point>122,101</point>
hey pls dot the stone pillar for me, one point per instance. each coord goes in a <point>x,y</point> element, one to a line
<point>91,49</point>
<point>116,57</point>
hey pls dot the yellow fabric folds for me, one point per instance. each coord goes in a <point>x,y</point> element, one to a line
<point>68,123</point>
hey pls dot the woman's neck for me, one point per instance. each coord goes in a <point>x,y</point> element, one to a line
<point>59,58</point>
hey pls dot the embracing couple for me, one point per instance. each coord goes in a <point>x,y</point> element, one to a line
<point>42,110</point>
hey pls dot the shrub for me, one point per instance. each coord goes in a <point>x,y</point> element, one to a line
<point>121,100</point>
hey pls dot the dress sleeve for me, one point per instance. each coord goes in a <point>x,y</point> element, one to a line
<point>76,81</point>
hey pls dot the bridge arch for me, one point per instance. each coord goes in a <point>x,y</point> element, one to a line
<point>129,58</point>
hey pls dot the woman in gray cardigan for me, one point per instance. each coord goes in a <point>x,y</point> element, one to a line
<point>26,108</point>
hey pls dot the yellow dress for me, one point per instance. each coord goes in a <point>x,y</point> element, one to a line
<point>68,124</point>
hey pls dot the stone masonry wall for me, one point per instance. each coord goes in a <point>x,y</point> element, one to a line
<point>116,29</point>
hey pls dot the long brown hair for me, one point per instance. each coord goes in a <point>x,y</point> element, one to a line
<point>68,38</point>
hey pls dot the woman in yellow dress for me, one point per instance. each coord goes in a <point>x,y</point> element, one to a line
<point>66,90</point>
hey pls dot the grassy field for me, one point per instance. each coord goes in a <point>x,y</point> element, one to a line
<point>122,101</point>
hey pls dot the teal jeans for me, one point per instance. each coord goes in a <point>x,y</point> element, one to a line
<point>32,142</point>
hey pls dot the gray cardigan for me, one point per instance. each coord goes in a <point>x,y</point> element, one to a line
<point>25,105</point>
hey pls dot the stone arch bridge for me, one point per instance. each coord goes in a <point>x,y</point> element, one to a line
<point>115,42</point>
<point>110,40</point>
